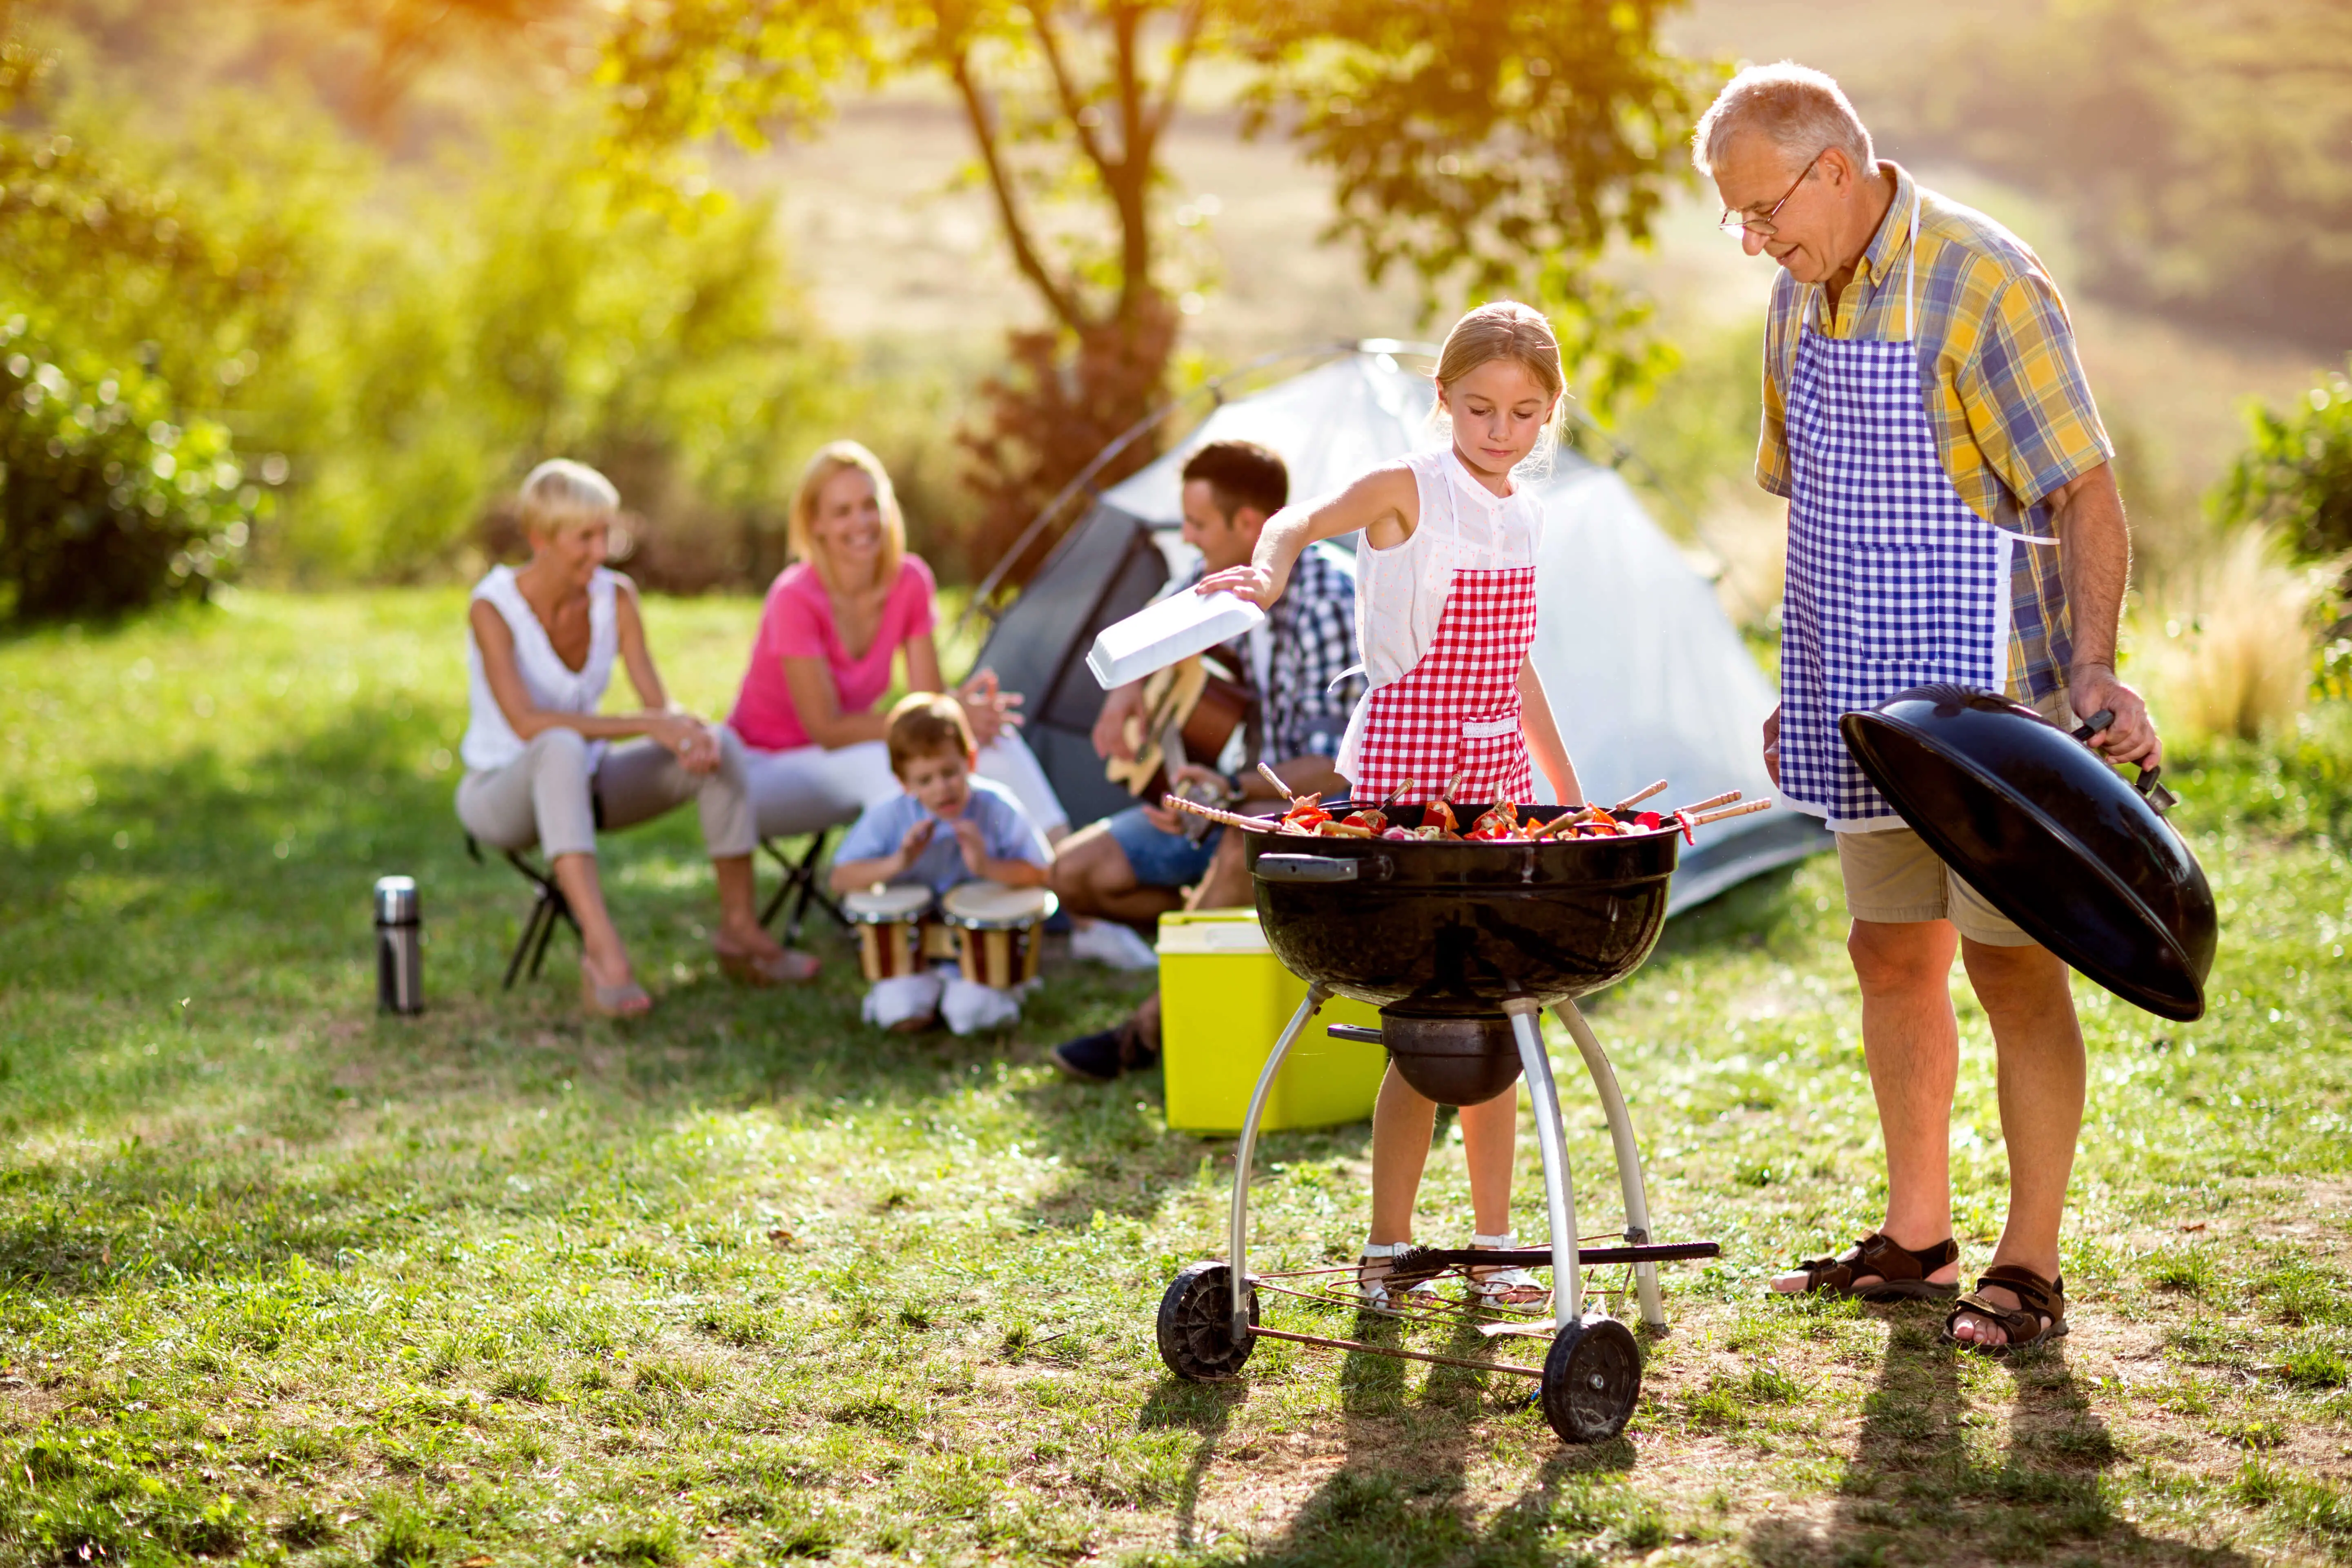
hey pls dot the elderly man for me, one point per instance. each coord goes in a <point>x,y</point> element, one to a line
<point>1952,516</point>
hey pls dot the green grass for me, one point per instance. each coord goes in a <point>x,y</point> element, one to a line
<point>281,1279</point>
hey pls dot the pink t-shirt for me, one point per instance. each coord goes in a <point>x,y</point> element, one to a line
<point>797,623</point>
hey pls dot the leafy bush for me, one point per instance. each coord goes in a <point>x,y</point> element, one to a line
<point>110,497</point>
<point>2296,474</point>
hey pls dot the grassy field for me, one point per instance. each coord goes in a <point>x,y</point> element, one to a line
<point>283,1280</point>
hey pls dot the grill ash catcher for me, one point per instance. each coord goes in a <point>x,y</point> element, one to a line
<point>1461,944</point>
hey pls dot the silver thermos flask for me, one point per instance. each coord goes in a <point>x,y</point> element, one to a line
<point>399,947</point>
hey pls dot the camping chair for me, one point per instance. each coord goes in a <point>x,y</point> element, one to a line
<point>803,883</point>
<point>538,927</point>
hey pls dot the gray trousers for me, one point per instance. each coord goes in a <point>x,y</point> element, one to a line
<point>548,796</point>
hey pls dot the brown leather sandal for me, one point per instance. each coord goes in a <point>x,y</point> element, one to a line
<point>2039,1317</point>
<point>1901,1273</point>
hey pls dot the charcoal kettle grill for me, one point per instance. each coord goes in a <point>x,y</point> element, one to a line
<point>1461,944</point>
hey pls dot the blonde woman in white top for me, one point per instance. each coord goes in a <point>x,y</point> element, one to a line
<point>541,767</point>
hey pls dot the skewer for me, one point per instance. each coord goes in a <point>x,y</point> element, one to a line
<point>1745,808</point>
<point>1396,795</point>
<point>1725,798</point>
<point>1276,780</point>
<point>1631,801</point>
<point>1229,818</point>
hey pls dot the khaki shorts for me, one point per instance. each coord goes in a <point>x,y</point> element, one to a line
<point>1893,877</point>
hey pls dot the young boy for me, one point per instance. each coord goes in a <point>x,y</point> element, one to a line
<point>988,836</point>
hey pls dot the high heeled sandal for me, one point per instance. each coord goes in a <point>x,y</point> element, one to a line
<point>782,967</point>
<point>627,1000</point>
<point>1504,1289</point>
<point>1373,1291</point>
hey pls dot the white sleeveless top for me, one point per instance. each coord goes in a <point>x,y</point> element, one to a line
<point>555,687</point>
<point>1401,591</point>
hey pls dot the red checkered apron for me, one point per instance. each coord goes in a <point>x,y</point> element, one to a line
<point>1458,706</point>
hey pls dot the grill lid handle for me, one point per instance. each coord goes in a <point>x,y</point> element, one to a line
<point>1321,869</point>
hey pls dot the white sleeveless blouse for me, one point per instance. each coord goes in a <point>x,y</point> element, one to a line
<point>1401,591</point>
<point>555,687</point>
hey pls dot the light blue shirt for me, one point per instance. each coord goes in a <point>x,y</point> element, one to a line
<point>1006,832</point>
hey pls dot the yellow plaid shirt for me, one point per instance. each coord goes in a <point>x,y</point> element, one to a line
<point>2006,393</point>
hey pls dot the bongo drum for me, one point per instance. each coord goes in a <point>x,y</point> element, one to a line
<point>997,930</point>
<point>889,922</point>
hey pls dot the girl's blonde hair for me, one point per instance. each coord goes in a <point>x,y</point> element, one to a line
<point>1507,330</point>
<point>800,528</point>
<point>1503,330</point>
<point>560,490</point>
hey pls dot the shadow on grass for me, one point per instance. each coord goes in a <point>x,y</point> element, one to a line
<point>1926,1484</point>
<point>1401,1496</point>
<point>189,960</point>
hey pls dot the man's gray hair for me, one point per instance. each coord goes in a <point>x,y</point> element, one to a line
<point>1801,111</point>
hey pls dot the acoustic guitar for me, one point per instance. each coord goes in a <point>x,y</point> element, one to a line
<point>1191,710</point>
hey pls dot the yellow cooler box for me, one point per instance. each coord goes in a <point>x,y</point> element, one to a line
<point>1223,999</point>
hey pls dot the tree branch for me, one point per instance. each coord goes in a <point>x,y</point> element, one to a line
<point>1066,90</point>
<point>1188,39</point>
<point>1058,299</point>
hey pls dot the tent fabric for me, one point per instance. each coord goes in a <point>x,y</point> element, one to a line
<point>1646,675</point>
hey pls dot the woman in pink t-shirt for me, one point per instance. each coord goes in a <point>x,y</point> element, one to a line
<point>835,622</point>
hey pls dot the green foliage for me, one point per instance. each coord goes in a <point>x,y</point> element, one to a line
<point>1489,150</point>
<point>2198,147</point>
<point>2296,474</point>
<point>112,496</point>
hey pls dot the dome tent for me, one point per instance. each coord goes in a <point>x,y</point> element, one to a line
<point>1646,675</point>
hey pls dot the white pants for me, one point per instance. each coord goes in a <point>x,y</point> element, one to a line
<point>809,787</point>
<point>967,1006</point>
<point>544,796</point>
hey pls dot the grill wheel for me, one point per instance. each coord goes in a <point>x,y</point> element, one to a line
<point>1591,1379</point>
<point>1195,1325</point>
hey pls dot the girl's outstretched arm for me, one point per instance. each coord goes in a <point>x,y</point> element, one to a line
<point>1548,752</point>
<point>1384,503</point>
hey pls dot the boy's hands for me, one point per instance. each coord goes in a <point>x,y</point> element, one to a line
<point>974,848</point>
<point>911,847</point>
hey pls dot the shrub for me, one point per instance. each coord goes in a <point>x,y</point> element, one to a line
<point>2296,474</point>
<point>110,497</point>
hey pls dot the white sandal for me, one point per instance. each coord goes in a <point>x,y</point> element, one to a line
<point>1504,1289</point>
<point>1373,1291</point>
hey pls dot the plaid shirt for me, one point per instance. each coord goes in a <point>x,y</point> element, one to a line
<point>2006,395</point>
<point>1313,627</point>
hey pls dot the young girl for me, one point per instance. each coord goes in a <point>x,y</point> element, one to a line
<point>1445,613</point>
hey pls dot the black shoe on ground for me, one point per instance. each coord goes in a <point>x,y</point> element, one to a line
<point>1101,1058</point>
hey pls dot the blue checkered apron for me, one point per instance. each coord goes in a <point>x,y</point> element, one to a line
<point>1892,581</point>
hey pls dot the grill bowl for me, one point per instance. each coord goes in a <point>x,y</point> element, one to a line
<point>1458,928</point>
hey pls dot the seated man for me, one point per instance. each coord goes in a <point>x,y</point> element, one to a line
<point>1135,867</point>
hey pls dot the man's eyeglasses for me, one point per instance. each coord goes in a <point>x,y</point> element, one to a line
<point>1737,225</point>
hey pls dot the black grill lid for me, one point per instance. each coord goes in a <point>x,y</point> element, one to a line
<point>2051,835</point>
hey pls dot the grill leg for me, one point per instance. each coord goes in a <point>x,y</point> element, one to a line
<point>1238,1241</point>
<point>1628,1157</point>
<point>1560,1187</point>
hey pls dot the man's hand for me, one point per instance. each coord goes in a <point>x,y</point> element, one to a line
<point>989,711</point>
<point>2132,738</point>
<point>1772,746</point>
<point>1168,821</point>
<point>974,847</point>
<point>1120,704</point>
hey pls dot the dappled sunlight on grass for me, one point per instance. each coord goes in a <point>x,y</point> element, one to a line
<point>746,1280</point>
